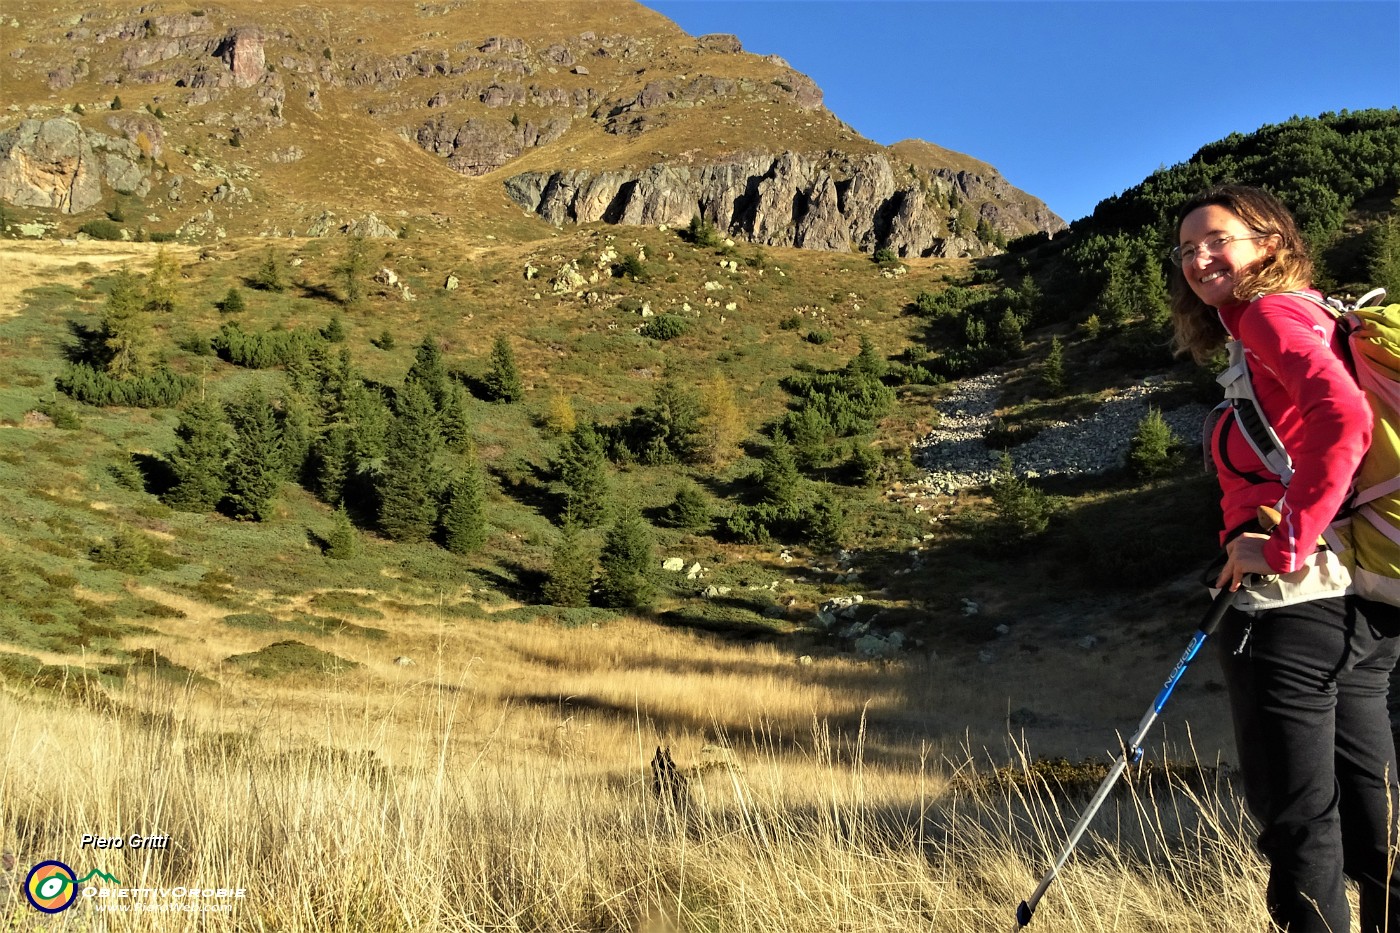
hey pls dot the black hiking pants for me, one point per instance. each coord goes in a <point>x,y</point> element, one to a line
<point>1308,687</point>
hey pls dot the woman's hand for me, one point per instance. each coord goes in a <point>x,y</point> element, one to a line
<point>1245,555</point>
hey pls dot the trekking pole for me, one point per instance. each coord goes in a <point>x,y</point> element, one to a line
<point>1131,754</point>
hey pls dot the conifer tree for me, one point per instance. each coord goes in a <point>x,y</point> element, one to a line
<point>255,462</point>
<point>570,578</point>
<point>408,485</point>
<point>233,302</point>
<point>162,283</point>
<point>689,510</point>
<point>1385,254</point>
<point>270,276</point>
<point>561,418</point>
<point>125,332</point>
<point>780,483</point>
<point>331,465</point>
<point>502,380</point>
<point>825,521</point>
<point>342,543</point>
<point>668,429</point>
<point>1053,372</point>
<point>721,425</point>
<point>351,270</point>
<point>464,511</point>
<point>625,563</point>
<point>582,469</point>
<point>198,461</point>
<point>1153,452</point>
<point>429,371</point>
<point>452,419</point>
<point>297,437</point>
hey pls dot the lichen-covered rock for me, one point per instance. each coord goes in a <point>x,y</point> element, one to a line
<point>49,164</point>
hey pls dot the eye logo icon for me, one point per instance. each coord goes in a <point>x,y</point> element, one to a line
<point>51,887</point>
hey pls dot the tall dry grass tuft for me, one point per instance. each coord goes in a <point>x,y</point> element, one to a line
<point>438,802</point>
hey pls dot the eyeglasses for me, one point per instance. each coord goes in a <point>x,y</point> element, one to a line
<point>1185,255</point>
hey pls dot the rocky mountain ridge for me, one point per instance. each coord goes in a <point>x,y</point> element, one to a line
<point>584,112</point>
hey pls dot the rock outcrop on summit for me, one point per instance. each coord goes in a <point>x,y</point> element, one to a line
<point>835,202</point>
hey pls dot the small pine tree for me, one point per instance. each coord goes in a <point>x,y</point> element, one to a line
<point>780,482</point>
<point>502,380</point>
<point>689,510</point>
<point>298,436</point>
<point>581,468</point>
<point>570,578</point>
<point>128,551</point>
<point>334,331</point>
<point>453,422</point>
<point>625,564</point>
<point>825,521</point>
<point>161,284</point>
<point>233,302</point>
<point>351,270</point>
<point>197,463</point>
<point>1052,374</point>
<point>560,418</point>
<point>125,331</point>
<point>1022,511</point>
<point>1154,450</point>
<point>463,522</point>
<point>668,429</point>
<point>721,423</point>
<point>408,485</point>
<point>342,543</point>
<point>117,102</point>
<point>270,276</point>
<point>429,371</point>
<point>702,233</point>
<point>255,463</point>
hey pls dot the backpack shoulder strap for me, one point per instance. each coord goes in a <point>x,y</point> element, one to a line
<point>1239,391</point>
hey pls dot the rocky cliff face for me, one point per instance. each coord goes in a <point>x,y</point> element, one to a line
<point>620,115</point>
<point>834,202</point>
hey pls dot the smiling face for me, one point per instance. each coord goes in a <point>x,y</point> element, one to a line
<point>1212,273</point>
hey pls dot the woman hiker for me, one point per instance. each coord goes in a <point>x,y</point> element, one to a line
<point>1307,663</point>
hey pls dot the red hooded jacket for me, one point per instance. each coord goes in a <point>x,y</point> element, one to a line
<point>1310,399</point>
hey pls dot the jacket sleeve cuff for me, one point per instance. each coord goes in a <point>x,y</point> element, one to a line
<point>1279,558</point>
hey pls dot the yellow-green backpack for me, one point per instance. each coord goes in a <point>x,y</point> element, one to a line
<point>1370,523</point>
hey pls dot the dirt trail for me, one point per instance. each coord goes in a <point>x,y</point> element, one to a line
<point>26,264</point>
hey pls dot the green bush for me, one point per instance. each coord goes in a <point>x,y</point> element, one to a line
<point>60,413</point>
<point>102,229</point>
<point>162,388</point>
<point>631,267</point>
<point>819,337</point>
<point>703,233</point>
<point>689,510</point>
<point>665,327</point>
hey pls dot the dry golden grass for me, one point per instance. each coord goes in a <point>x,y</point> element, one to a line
<point>500,783</point>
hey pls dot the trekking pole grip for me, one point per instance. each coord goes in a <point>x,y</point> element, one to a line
<point>1221,605</point>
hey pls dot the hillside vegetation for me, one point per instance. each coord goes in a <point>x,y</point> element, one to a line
<point>340,559</point>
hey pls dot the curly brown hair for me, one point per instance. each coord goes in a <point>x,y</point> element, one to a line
<point>1197,326</point>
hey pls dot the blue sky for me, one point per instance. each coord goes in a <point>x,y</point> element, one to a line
<point>1071,101</point>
